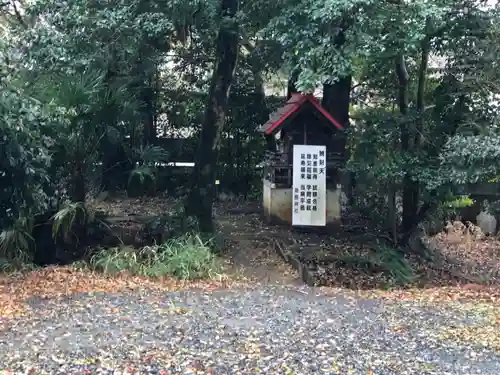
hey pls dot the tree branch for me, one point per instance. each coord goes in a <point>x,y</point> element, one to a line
<point>18,15</point>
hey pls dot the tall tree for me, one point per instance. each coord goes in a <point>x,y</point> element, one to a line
<point>200,200</point>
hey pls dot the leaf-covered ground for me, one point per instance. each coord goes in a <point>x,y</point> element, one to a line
<point>63,321</point>
<point>53,283</point>
<point>66,321</point>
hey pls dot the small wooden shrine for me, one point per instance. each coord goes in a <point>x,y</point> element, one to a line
<point>302,183</point>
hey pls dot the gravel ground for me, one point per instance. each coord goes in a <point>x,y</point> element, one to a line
<point>267,330</point>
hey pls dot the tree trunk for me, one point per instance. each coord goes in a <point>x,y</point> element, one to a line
<point>422,80</point>
<point>115,163</point>
<point>410,188</point>
<point>292,84</point>
<point>148,110</point>
<point>392,191</point>
<point>418,142</point>
<point>260,97</point>
<point>337,95</point>
<point>336,100</point>
<point>77,188</point>
<point>148,100</point>
<point>200,200</point>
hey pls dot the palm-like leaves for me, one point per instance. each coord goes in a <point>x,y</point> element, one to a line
<point>147,157</point>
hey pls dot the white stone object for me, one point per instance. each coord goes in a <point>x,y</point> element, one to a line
<point>487,222</point>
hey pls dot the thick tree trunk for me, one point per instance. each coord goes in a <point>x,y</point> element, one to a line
<point>410,187</point>
<point>422,81</point>
<point>336,100</point>
<point>201,197</point>
<point>146,92</point>
<point>77,188</point>
<point>149,94</point>
<point>148,111</point>
<point>418,214</point>
<point>292,84</point>
<point>116,165</point>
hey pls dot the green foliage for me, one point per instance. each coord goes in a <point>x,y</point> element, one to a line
<point>75,88</point>
<point>16,242</point>
<point>67,217</point>
<point>146,159</point>
<point>374,31</point>
<point>385,260</point>
<point>7,265</point>
<point>370,156</point>
<point>186,258</point>
<point>393,262</point>
<point>471,159</point>
<point>24,157</point>
<point>458,202</point>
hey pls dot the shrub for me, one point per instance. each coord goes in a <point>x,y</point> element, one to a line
<point>16,242</point>
<point>24,157</point>
<point>185,258</point>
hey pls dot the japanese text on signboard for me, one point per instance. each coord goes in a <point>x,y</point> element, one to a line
<point>309,184</point>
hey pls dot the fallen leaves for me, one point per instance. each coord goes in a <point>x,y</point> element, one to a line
<point>482,328</point>
<point>435,283</point>
<point>485,336</point>
<point>490,295</point>
<point>143,206</point>
<point>57,282</point>
<point>250,250</point>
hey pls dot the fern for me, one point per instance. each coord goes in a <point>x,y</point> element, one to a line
<point>150,155</point>
<point>66,218</point>
<point>15,243</point>
<point>142,174</point>
<point>146,158</point>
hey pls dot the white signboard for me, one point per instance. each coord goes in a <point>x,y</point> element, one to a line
<point>309,185</point>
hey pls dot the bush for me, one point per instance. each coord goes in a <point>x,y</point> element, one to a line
<point>186,258</point>
<point>24,156</point>
<point>16,243</point>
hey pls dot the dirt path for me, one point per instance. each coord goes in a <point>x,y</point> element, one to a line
<point>251,252</point>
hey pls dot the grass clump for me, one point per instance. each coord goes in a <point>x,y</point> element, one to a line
<point>394,264</point>
<point>186,258</point>
<point>385,261</point>
<point>10,266</point>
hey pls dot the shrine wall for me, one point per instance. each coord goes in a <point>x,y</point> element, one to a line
<point>278,204</point>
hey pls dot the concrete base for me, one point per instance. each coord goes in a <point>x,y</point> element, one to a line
<point>278,204</point>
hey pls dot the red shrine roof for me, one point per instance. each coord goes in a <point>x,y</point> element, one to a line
<point>293,105</point>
